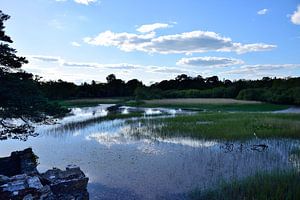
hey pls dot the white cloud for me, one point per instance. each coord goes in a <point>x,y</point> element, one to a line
<point>209,61</point>
<point>152,27</point>
<point>75,44</point>
<point>263,11</point>
<point>124,41</point>
<point>54,67</point>
<point>45,58</point>
<point>258,68</point>
<point>85,2</point>
<point>186,43</point>
<point>295,18</point>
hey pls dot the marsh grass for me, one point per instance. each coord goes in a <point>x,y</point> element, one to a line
<point>269,186</point>
<point>72,126</point>
<point>227,126</point>
<point>296,152</point>
<point>258,107</point>
<point>88,102</point>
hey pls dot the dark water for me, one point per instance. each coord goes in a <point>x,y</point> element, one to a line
<point>123,165</point>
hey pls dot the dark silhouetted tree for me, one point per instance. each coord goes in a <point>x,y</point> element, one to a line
<point>20,96</point>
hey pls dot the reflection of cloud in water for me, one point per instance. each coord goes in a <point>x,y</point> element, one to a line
<point>188,142</point>
<point>149,149</point>
<point>123,135</point>
<point>151,111</point>
<point>79,114</point>
<point>108,139</point>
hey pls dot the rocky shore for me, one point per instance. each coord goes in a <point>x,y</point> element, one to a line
<point>20,180</point>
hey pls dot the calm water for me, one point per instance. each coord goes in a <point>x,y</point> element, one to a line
<point>124,165</point>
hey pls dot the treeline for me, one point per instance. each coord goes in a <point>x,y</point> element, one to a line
<point>274,90</point>
<point>56,90</point>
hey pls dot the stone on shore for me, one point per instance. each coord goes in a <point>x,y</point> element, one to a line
<point>20,180</point>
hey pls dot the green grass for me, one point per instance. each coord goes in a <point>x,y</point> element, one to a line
<point>272,186</point>
<point>227,126</point>
<point>263,107</point>
<point>259,107</point>
<point>88,102</point>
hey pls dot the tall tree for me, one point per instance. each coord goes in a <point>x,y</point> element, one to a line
<point>8,58</point>
<point>20,96</point>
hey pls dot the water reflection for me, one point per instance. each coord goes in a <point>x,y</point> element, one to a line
<point>127,161</point>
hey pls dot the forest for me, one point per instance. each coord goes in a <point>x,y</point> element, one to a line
<point>273,90</point>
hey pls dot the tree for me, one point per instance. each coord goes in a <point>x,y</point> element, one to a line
<point>110,78</point>
<point>8,58</point>
<point>20,96</point>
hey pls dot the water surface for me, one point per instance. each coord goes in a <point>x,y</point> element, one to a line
<point>124,161</point>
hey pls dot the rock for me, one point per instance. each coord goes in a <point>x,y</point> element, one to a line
<point>20,180</point>
<point>114,108</point>
<point>28,197</point>
<point>34,182</point>
<point>72,181</point>
<point>3,179</point>
<point>14,186</point>
<point>19,162</point>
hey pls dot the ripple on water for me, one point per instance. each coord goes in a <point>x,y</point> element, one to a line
<point>122,164</point>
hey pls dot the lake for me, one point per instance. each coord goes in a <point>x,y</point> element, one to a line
<point>124,160</point>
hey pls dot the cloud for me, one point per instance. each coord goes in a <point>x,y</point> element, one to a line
<point>186,43</point>
<point>152,27</point>
<point>75,44</point>
<point>124,41</point>
<point>169,70</point>
<point>209,61</point>
<point>263,11</point>
<point>45,58</point>
<point>85,2</point>
<point>254,69</point>
<point>55,67</point>
<point>115,66</point>
<point>295,18</point>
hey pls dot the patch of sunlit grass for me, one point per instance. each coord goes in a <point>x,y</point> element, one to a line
<point>227,126</point>
<point>275,186</point>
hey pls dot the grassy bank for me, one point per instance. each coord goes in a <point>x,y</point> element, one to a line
<point>210,104</point>
<point>89,102</point>
<point>275,186</point>
<point>198,104</point>
<point>227,126</point>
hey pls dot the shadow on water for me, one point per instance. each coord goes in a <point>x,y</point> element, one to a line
<point>126,160</point>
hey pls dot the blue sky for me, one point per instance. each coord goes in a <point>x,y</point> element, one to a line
<point>84,40</point>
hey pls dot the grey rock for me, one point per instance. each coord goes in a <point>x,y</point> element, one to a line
<point>24,182</point>
<point>28,197</point>
<point>34,182</point>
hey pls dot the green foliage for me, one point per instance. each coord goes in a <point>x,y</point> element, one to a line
<point>273,95</point>
<point>147,93</point>
<point>271,186</point>
<point>219,92</point>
